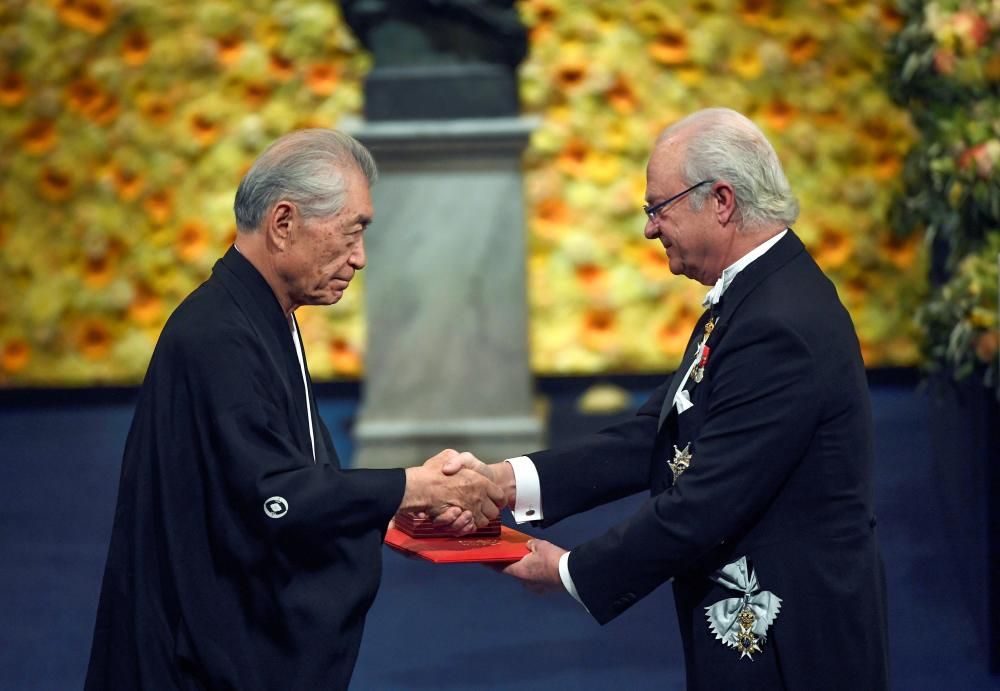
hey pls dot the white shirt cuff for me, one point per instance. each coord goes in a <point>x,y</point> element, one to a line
<point>567,580</point>
<point>528,504</point>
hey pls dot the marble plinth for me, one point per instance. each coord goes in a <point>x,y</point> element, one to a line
<point>445,293</point>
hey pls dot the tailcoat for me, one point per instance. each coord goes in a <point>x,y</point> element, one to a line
<point>780,441</point>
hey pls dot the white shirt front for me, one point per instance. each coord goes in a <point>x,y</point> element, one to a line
<point>305,383</point>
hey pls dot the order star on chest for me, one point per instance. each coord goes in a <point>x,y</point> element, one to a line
<point>681,461</point>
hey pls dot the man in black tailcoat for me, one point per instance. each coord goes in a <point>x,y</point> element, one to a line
<point>757,452</point>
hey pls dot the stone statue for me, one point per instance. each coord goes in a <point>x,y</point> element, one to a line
<point>439,58</point>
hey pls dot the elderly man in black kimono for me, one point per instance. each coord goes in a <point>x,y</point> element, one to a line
<point>756,453</point>
<point>242,555</point>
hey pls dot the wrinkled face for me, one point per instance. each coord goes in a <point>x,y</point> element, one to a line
<point>690,237</point>
<point>323,254</point>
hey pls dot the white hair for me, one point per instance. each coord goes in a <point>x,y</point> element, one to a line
<point>722,144</point>
<point>306,167</point>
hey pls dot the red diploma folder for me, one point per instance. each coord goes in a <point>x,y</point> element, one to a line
<point>508,548</point>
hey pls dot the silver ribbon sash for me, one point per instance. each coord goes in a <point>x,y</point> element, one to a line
<point>742,622</point>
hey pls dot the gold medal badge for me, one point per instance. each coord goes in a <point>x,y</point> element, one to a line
<point>742,622</point>
<point>698,373</point>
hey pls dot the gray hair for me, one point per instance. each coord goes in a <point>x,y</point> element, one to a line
<point>307,168</point>
<point>725,145</point>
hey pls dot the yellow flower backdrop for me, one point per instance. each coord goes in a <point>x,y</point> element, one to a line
<point>610,77</point>
<point>127,124</point>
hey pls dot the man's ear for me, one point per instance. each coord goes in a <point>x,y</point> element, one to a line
<point>724,198</point>
<point>280,220</point>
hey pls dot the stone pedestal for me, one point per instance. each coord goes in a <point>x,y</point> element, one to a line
<point>445,293</point>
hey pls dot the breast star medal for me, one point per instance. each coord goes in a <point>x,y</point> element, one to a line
<point>682,460</point>
<point>699,371</point>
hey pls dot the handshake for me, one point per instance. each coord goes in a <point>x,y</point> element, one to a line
<point>458,491</point>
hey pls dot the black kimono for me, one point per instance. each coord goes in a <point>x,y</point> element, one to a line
<point>236,561</point>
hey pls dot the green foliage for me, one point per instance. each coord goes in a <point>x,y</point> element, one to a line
<point>945,65</point>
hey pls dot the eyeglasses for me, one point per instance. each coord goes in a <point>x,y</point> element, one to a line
<point>655,209</point>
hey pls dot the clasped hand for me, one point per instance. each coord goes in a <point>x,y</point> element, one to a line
<point>446,497</point>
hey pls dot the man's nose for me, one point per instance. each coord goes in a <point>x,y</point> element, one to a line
<point>358,257</point>
<point>652,230</point>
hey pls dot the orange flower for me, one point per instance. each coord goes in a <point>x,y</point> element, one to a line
<point>673,334</point>
<point>322,79</point>
<point>570,74</point>
<point>891,18</point>
<point>902,252</point>
<point>93,339</point>
<point>159,205</point>
<point>832,117</point>
<point>256,93</point>
<point>83,95</point>
<point>593,278</point>
<point>16,355</point>
<point>599,329</point>
<point>834,247</point>
<point>756,11</point>
<point>669,47</point>
<point>539,17</point>
<point>39,136</point>
<point>204,128</point>
<point>802,48</point>
<point>135,48</point>
<point>156,108</point>
<point>128,183</point>
<point>553,210</point>
<point>621,96</point>
<point>887,164</point>
<point>280,67</point>
<point>105,110</point>
<point>344,359</point>
<point>146,308</point>
<point>539,34</point>
<point>857,290</point>
<point>552,216</point>
<point>229,48</point>
<point>192,240</point>
<point>876,128</point>
<point>88,97</point>
<point>653,263</point>
<point>573,157</point>
<point>56,185</point>
<point>13,89</point>
<point>99,270</point>
<point>539,11</point>
<point>93,16</point>
<point>779,114</point>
